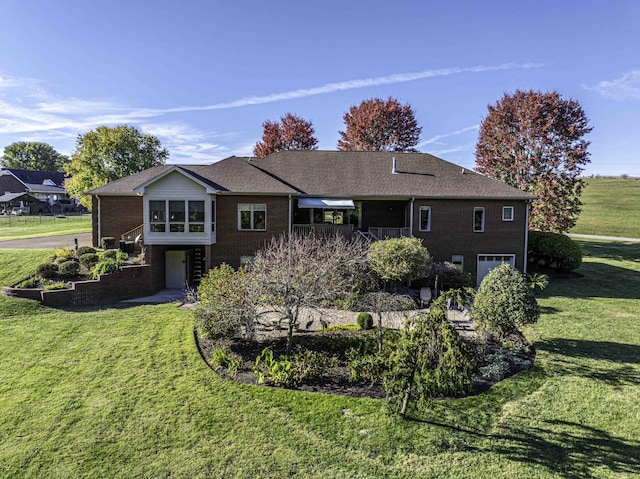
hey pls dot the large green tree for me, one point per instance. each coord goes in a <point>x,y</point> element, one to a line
<point>378,124</point>
<point>535,141</point>
<point>32,155</point>
<point>106,154</point>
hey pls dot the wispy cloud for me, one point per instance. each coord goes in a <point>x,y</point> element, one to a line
<point>28,111</point>
<point>436,139</point>
<point>351,85</point>
<point>627,87</point>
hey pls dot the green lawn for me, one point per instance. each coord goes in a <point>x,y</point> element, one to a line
<point>611,208</point>
<point>122,392</point>
<point>21,227</point>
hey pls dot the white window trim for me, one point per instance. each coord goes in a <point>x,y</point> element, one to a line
<point>507,208</point>
<point>252,207</point>
<point>420,218</point>
<point>167,221</point>
<point>458,258</point>
<point>476,209</point>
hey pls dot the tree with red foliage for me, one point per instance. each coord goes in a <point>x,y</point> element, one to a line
<point>534,141</point>
<point>380,125</point>
<point>290,133</point>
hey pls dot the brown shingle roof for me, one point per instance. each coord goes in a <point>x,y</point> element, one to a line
<point>336,174</point>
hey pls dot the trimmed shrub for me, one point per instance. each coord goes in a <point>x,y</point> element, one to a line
<point>104,266</point>
<point>365,321</point>
<point>64,254</point>
<point>108,242</point>
<point>504,301</point>
<point>554,250</point>
<point>85,249</point>
<point>89,260</point>
<point>47,270</point>
<point>399,259</point>
<point>69,269</point>
<point>110,254</point>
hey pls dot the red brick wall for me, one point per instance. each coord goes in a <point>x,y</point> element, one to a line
<point>119,214</point>
<point>130,282</point>
<point>231,244</point>
<point>452,230</point>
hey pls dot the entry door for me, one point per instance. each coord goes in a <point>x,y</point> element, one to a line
<point>487,262</point>
<point>176,269</point>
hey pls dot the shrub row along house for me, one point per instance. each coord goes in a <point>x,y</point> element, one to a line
<point>192,218</point>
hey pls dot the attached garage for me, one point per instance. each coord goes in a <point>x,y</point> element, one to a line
<point>486,262</point>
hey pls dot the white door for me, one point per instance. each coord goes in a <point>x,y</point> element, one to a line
<point>486,262</point>
<point>176,269</point>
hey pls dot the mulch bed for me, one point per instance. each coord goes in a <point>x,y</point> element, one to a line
<point>336,378</point>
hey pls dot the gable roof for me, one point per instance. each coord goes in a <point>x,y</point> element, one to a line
<point>30,177</point>
<point>334,174</point>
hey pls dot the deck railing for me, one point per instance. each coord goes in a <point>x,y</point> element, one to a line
<point>380,233</point>
<point>131,235</point>
<point>323,230</point>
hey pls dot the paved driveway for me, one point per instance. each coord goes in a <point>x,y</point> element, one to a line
<point>48,242</point>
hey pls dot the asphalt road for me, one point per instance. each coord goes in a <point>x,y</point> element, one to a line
<point>48,242</point>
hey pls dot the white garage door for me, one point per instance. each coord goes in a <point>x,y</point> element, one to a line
<point>486,262</point>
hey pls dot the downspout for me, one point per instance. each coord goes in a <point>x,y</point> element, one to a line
<point>411,217</point>
<point>290,215</point>
<point>526,239</point>
<point>99,214</point>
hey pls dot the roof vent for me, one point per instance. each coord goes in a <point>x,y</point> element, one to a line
<point>463,171</point>
<point>394,170</point>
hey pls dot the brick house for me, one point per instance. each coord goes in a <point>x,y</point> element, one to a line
<point>193,217</point>
<point>36,191</point>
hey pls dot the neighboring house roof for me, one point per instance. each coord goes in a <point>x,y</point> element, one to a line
<point>38,181</point>
<point>334,174</point>
<point>8,197</point>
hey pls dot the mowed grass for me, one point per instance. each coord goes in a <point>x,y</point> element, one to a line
<point>611,207</point>
<point>121,391</point>
<point>22,227</point>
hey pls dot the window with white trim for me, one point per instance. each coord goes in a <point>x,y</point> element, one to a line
<point>157,216</point>
<point>425,218</point>
<point>507,213</point>
<point>478,219</point>
<point>176,216</point>
<point>252,217</point>
<point>458,261</point>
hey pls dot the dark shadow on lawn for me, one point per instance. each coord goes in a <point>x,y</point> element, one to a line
<point>565,448</point>
<point>569,449</point>
<point>610,249</point>
<point>599,280</point>
<point>616,352</point>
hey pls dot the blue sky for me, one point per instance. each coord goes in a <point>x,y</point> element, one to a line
<point>204,76</point>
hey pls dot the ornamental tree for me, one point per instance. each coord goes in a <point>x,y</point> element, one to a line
<point>396,260</point>
<point>290,133</point>
<point>378,124</point>
<point>535,142</point>
<point>504,302</point>
<point>106,154</point>
<point>32,155</point>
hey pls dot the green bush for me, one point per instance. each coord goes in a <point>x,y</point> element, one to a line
<point>64,254</point>
<point>554,250</point>
<point>54,286</point>
<point>69,269</point>
<point>399,259</point>
<point>450,277</point>
<point>28,283</point>
<point>110,254</point>
<point>89,260</point>
<point>104,266</point>
<point>504,301</point>
<point>85,249</point>
<point>365,321</point>
<point>47,270</point>
<point>108,242</point>
<point>275,371</point>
